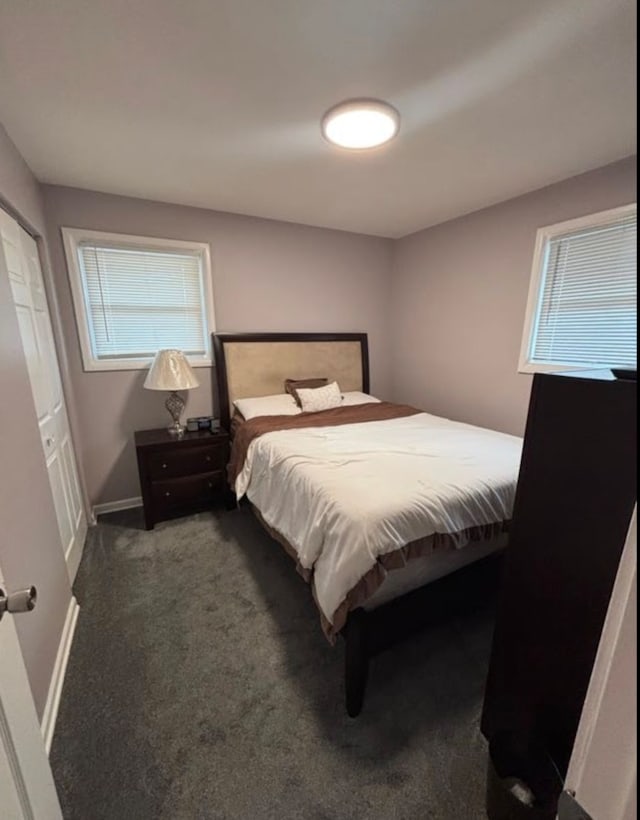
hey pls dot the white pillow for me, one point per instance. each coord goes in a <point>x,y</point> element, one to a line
<point>314,399</point>
<point>282,404</point>
<point>355,397</point>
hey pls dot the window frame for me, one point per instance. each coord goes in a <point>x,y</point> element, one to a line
<point>544,236</point>
<point>72,239</point>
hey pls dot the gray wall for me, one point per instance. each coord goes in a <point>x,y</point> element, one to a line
<point>444,307</point>
<point>30,550</point>
<point>459,294</point>
<point>267,275</point>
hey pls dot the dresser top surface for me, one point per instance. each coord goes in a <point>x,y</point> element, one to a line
<point>600,375</point>
<point>147,438</point>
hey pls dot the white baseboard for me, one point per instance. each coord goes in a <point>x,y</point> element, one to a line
<point>114,506</point>
<point>50,714</point>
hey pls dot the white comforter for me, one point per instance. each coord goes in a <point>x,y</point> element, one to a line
<point>344,495</point>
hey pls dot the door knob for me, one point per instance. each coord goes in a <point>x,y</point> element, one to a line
<point>24,600</point>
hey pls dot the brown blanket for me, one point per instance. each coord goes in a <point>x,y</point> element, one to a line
<point>353,414</point>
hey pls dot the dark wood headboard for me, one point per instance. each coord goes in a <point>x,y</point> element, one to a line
<point>256,364</point>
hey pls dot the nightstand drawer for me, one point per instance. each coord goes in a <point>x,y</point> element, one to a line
<point>180,475</point>
<point>187,462</point>
<point>191,491</point>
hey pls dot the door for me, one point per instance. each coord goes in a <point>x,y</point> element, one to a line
<point>25,276</point>
<point>27,791</point>
<point>603,769</point>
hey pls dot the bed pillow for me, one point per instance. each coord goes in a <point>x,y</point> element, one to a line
<point>293,385</point>
<point>282,404</point>
<point>356,397</point>
<point>320,398</point>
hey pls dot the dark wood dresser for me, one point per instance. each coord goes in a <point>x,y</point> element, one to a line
<point>180,475</point>
<point>574,501</point>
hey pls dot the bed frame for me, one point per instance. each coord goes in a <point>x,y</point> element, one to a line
<point>256,364</point>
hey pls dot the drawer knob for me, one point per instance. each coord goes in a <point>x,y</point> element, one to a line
<point>167,493</point>
<point>164,466</point>
<point>210,485</point>
<point>208,458</point>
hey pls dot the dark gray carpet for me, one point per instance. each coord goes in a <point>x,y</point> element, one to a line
<point>200,686</point>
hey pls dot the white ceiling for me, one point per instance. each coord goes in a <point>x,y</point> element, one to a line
<point>217,103</point>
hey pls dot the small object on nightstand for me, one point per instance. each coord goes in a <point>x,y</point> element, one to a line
<point>181,475</point>
<point>203,423</point>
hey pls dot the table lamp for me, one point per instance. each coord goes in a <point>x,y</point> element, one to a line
<point>171,371</point>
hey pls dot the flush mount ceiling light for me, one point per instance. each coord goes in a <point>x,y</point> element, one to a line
<point>358,124</point>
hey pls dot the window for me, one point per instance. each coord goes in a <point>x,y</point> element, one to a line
<point>582,300</point>
<point>135,295</point>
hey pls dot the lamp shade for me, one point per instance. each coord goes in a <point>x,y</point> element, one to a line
<point>170,370</point>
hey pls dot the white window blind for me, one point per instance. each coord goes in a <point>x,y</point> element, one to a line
<point>139,300</point>
<point>586,311</point>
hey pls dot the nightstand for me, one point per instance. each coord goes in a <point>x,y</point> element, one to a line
<point>181,475</point>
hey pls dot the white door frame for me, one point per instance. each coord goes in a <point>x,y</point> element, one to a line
<point>58,334</point>
<point>24,268</point>
<point>603,767</point>
<point>27,789</point>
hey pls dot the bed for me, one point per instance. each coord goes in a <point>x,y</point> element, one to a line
<point>372,500</point>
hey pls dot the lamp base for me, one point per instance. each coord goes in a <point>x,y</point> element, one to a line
<point>175,406</point>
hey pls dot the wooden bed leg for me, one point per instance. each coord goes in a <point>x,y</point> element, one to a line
<point>229,497</point>
<point>356,667</point>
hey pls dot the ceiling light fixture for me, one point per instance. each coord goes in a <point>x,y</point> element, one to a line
<point>358,124</point>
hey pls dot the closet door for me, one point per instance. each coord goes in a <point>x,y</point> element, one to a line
<point>27,286</point>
